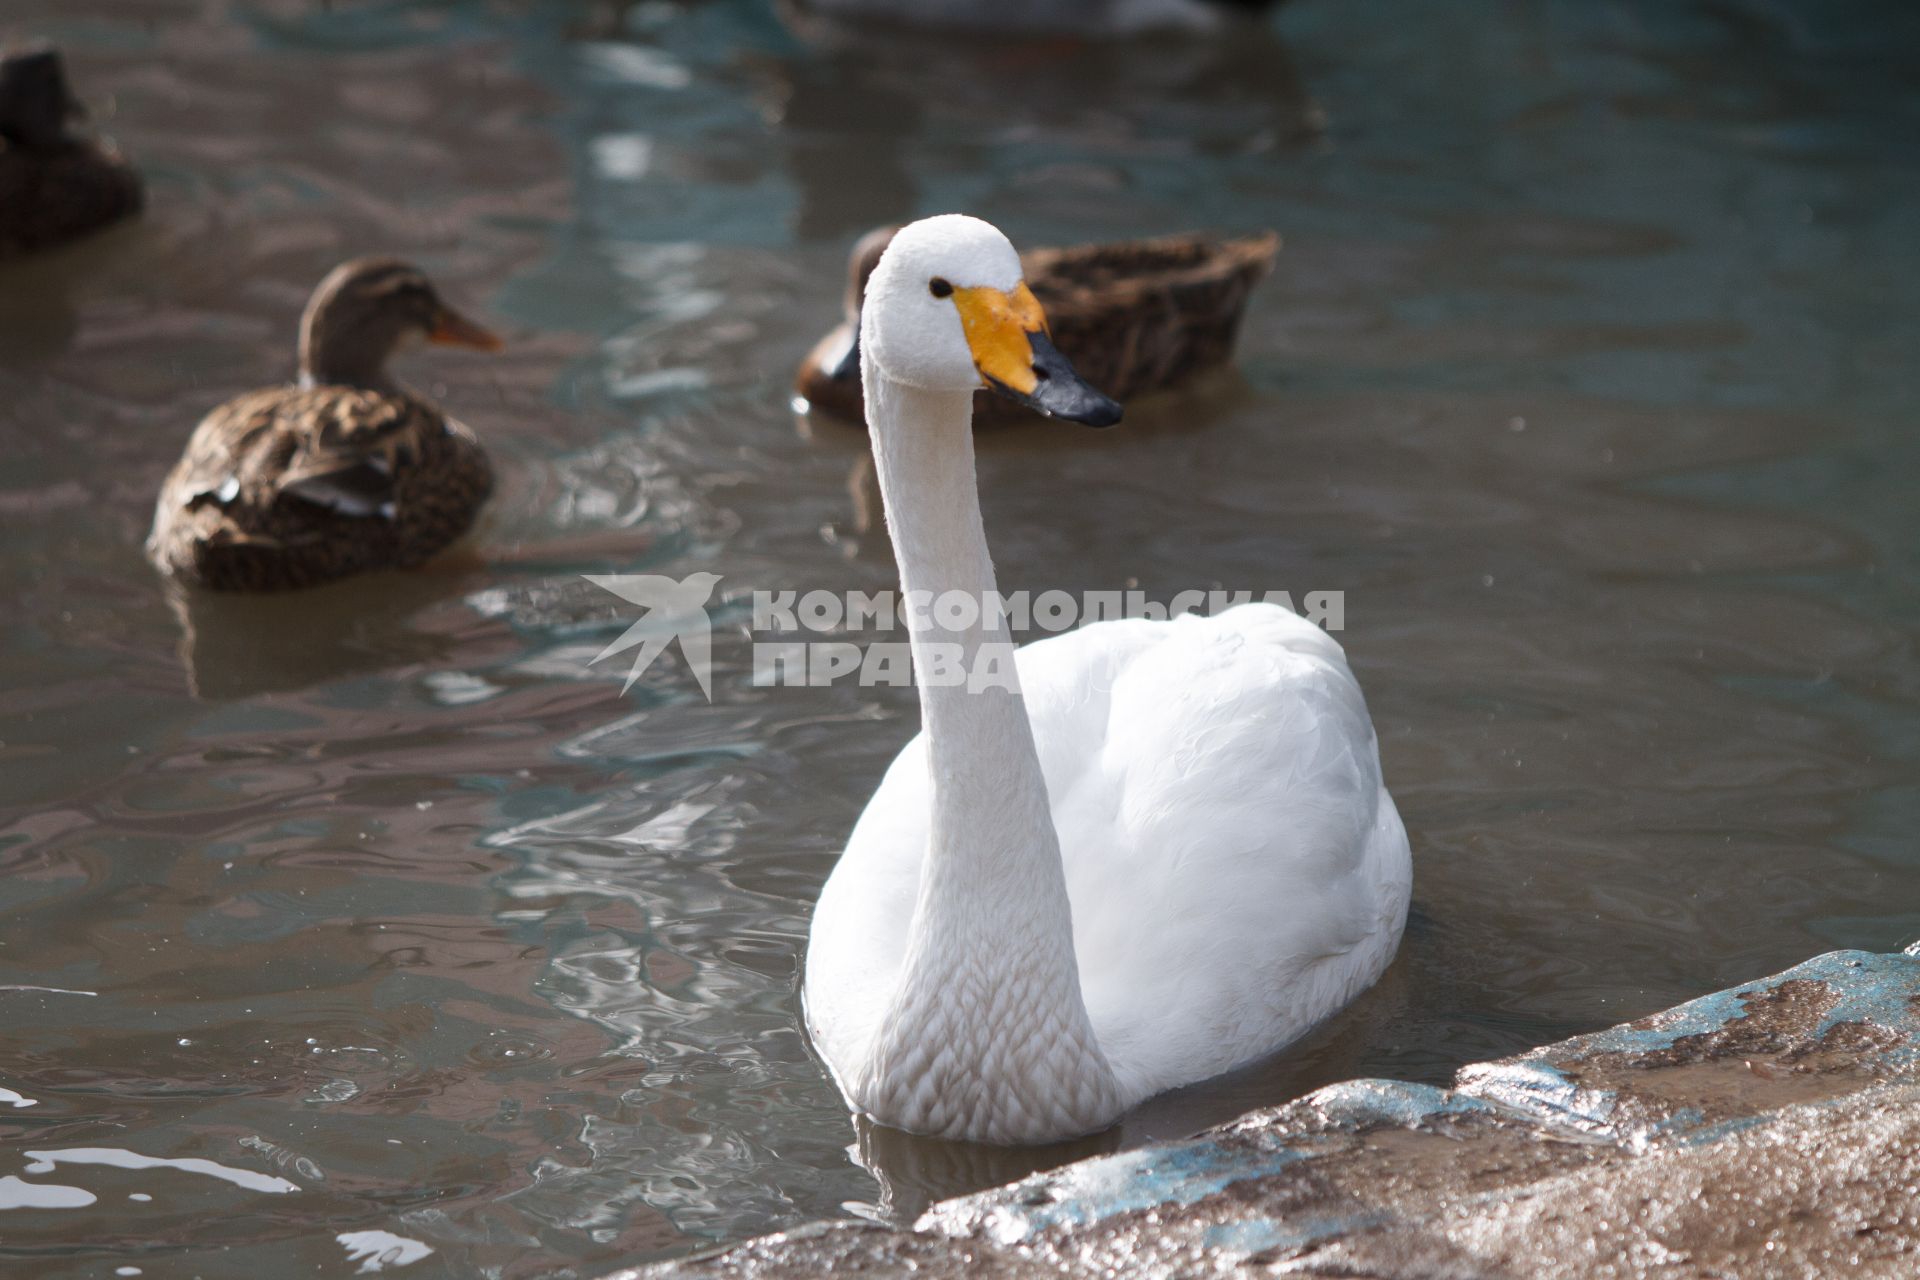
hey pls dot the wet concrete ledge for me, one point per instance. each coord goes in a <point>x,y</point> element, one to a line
<point>1772,1130</point>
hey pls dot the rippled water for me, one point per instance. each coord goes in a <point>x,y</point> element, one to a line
<point>385,925</point>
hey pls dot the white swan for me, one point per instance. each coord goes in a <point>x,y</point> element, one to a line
<point>1166,853</point>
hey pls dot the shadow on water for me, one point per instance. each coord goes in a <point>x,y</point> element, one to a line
<point>233,646</point>
<point>914,1172</point>
<point>1585,374</point>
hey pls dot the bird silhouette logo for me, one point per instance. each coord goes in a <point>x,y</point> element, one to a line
<point>675,610</point>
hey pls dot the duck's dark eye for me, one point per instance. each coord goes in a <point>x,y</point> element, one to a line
<point>939,288</point>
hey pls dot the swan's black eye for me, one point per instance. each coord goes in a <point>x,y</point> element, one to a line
<point>939,288</point>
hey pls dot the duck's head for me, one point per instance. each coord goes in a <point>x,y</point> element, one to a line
<point>35,102</point>
<point>366,310</point>
<point>947,310</point>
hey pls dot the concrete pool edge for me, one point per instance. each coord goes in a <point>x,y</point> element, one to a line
<point>1769,1129</point>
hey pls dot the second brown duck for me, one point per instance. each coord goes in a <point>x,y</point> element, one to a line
<point>1133,316</point>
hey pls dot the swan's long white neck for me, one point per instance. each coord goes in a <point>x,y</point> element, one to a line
<point>987,1034</point>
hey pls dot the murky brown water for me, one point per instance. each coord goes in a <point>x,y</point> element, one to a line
<point>1587,375</point>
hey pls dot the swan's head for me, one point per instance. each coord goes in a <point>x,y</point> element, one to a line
<point>946,310</point>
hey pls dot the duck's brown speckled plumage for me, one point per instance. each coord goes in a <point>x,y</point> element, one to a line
<point>285,488</point>
<point>54,186</point>
<point>1132,316</point>
<point>294,486</point>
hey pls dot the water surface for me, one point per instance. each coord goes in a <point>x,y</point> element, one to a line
<point>389,925</point>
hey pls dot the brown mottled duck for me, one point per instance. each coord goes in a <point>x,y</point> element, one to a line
<point>344,472</point>
<point>1133,316</point>
<point>54,185</point>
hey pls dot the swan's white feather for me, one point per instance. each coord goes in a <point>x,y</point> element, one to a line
<point>1236,868</point>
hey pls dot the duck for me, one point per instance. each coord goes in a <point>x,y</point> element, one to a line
<point>343,472</point>
<point>1137,316</point>
<point>55,186</point>
<point>1118,860</point>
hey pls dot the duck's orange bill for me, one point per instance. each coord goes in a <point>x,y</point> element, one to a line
<point>451,329</point>
<point>999,326</point>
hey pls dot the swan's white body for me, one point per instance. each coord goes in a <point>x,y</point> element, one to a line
<point>1168,853</point>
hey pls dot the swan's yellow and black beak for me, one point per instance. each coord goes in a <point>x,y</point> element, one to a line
<point>1007,333</point>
